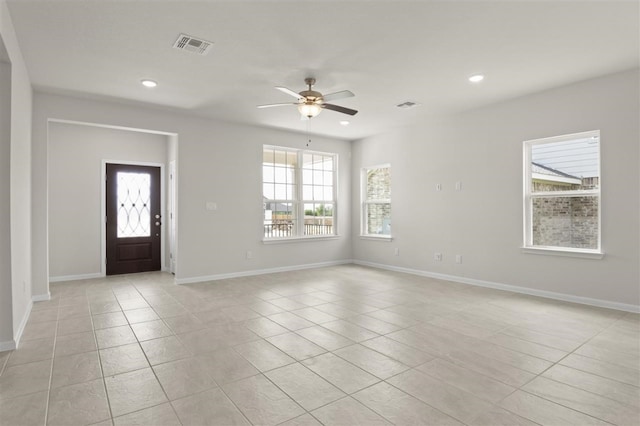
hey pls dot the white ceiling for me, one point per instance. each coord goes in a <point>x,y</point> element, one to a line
<point>386,52</point>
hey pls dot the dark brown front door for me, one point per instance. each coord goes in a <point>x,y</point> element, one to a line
<point>133,219</point>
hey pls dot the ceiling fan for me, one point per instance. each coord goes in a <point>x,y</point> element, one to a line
<point>311,103</point>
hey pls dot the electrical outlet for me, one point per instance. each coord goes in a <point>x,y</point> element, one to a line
<point>210,205</point>
<point>396,251</point>
<point>438,187</point>
<point>437,257</point>
<point>458,258</point>
<point>458,186</point>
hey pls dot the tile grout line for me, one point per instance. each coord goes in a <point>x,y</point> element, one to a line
<point>53,355</point>
<point>104,380</point>
<point>151,366</point>
<point>6,361</point>
<point>297,403</point>
<point>424,402</point>
<point>232,401</point>
<point>138,369</point>
<point>158,380</point>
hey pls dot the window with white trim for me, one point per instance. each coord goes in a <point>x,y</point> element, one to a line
<point>376,201</point>
<point>298,193</point>
<point>562,193</point>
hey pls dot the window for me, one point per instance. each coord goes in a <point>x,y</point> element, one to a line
<point>299,193</point>
<point>133,201</point>
<point>562,193</point>
<point>376,201</point>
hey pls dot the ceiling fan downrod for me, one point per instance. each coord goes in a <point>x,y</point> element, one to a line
<point>310,81</point>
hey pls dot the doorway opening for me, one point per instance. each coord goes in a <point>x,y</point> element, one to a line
<point>76,220</point>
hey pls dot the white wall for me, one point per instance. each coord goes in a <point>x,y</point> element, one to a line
<point>216,161</point>
<point>6,318</point>
<point>76,153</point>
<point>19,286</point>
<point>483,222</point>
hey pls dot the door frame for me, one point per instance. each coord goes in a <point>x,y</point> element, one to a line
<point>103,211</point>
<point>171,217</point>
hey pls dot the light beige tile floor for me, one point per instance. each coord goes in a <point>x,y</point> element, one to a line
<point>342,345</point>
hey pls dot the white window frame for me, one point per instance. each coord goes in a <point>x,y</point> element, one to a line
<point>364,204</point>
<point>298,200</point>
<point>528,198</point>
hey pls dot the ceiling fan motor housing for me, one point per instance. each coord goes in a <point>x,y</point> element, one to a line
<point>311,95</point>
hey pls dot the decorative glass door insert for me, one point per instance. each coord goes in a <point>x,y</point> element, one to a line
<point>134,199</point>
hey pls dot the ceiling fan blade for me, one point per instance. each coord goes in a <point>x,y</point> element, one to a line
<point>289,92</point>
<point>275,105</point>
<point>340,109</point>
<point>338,95</point>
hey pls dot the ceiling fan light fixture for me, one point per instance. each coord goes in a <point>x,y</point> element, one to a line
<point>309,109</point>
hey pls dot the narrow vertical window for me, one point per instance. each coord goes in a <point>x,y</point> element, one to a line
<point>562,193</point>
<point>318,193</point>
<point>298,193</point>
<point>376,201</point>
<point>279,187</point>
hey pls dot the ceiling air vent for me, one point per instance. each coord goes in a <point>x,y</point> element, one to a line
<point>192,44</point>
<point>408,104</point>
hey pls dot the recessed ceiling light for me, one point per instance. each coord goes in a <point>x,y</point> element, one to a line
<point>345,123</point>
<point>476,78</point>
<point>148,83</point>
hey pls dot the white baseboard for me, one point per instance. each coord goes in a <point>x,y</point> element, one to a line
<point>75,277</point>
<point>23,324</point>
<point>260,272</point>
<point>9,345</point>
<point>516,289</point>
<point>41,297</point>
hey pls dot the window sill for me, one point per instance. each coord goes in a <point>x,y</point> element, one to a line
<point>385,238</point>
<point>300,239</point>
<point>551,251</point>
